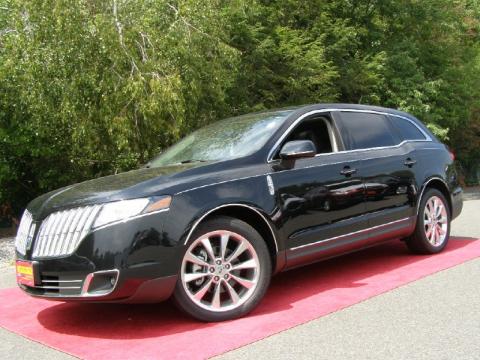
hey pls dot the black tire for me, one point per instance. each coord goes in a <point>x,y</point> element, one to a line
<point>418,243</point>
<point>186,304</point>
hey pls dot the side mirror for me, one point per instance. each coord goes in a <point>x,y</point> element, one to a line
<point>297,149</point>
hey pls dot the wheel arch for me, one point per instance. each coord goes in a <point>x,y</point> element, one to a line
<point>251,216</point>
<point>439,184</point>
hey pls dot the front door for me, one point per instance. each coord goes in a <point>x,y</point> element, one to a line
<point>320,200</point>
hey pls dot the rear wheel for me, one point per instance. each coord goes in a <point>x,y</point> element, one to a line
<point>225,271</point>
<point>433,224</point>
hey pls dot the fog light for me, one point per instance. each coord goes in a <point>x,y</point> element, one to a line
<point>100,283</point>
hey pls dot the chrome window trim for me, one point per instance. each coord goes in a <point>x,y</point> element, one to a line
<point>296,169</point>
<point>290,128</point>
<point>314,112</point>
<point>230,205</point>
<point>312,166</point>
<point>352,233</point>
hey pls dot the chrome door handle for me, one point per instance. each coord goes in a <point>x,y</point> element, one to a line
<point>410,162</point>
<point>347,171</point>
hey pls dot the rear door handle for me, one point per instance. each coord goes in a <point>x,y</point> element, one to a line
<point>410,162</point>
<point>347,171</point>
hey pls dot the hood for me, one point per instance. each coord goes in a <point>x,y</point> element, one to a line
<point>104,189</point>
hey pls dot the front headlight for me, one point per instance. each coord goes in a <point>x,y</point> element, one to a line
<point>121,210</point>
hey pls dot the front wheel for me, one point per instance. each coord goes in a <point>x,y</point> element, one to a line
<point>433,224</point>
<point>225,271</point>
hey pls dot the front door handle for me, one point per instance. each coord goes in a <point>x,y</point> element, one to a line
<point>410,162</point>
<point>347,171</point>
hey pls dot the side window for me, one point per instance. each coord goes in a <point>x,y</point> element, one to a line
<point>365,130</point>
<point>317,130</point>
<point>406,129</point>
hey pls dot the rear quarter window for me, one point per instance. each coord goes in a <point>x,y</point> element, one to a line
<point>365,130</point>
<point>406,130</point>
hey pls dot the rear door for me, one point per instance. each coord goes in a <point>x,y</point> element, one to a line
<point>386,164</point>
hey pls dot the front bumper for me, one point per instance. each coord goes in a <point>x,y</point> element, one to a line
<point>64,288</point>
<point>132,261</point>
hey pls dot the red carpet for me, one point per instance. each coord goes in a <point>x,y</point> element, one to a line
<point>100,331</point>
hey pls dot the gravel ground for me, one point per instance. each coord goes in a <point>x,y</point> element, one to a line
<point>7,251</point>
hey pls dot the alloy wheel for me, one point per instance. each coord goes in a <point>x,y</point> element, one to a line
<point>220,271</point>
<point>435,221</point>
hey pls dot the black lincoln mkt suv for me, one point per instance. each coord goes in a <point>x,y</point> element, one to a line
<point>210,220</point>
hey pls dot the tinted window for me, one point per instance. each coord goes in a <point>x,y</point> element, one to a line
<point>367,130</point>
<point>406,130</point>
<point>315,130</point>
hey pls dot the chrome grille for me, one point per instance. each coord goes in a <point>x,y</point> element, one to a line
<point>62,231</point>
<point>25,233</point>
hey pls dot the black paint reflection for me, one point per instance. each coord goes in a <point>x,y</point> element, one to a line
<point>323,198</point>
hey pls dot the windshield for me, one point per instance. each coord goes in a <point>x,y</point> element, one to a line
<point>225,139</point>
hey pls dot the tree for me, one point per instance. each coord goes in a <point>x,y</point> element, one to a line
<point>91,88</point>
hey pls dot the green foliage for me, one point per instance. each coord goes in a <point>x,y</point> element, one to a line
<point>89,88</point>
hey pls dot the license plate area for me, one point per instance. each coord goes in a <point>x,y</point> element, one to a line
<point>25,273</point>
